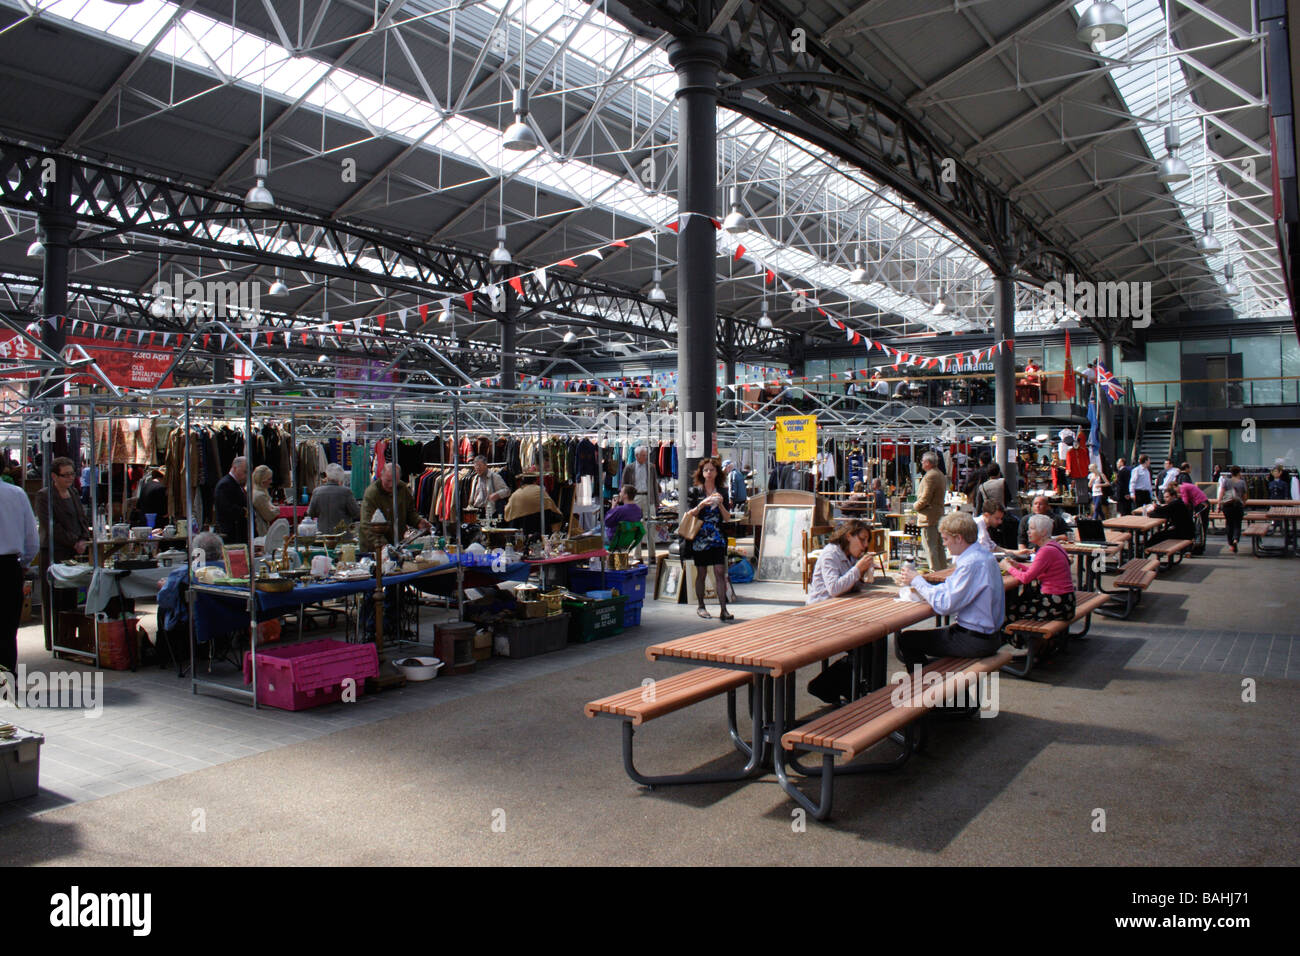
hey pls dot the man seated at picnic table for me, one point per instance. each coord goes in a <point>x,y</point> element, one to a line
<point>1042,506</point>
<point>1180,526</point>
<point>973,595</point>
<point>991,518</point>
<point>1046,588</point>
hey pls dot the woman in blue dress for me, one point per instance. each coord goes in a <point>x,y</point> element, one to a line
<point>708,501</point>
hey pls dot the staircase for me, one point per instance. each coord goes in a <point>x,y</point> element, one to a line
<point>1154,442</point>
<point>1156,439</point>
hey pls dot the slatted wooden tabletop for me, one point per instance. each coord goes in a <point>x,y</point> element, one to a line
<point>1118,537</point>
<point>1133,523</point>
<point>782,643</point>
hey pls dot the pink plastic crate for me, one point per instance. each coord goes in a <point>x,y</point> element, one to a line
<point>306,675</point>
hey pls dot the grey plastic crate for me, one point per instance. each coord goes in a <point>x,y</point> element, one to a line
<point>20,765</point>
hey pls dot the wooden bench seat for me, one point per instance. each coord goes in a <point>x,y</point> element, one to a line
<point>1172,550</point>
<point>1133,578</point>
<point>1053,636</point>
<point>665,696</point>
<point>648,702</point>
<point>1257,530</point>
<point>851,730</point>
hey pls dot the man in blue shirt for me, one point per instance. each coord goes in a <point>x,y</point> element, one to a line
<point>973,595</point>
<point>1139,482</point>
<point>19,543</point>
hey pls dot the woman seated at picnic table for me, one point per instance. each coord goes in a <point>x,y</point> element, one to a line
<point>1046,587</point>
<point>842,563</point>
<point>1180,524</point>
<point>839,571</point>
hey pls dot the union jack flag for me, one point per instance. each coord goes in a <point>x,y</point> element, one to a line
<point>1111,388</point>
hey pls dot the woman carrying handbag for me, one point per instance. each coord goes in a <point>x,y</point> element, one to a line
<point>709,504</point>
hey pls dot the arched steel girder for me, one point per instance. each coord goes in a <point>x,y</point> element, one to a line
<point>813,93</point>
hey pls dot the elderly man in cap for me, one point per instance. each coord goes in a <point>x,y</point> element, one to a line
<point>642,475</point>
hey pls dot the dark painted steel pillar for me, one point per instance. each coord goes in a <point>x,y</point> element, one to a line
<point>1004,369</point>
<point>56,225</point>
<point>696,60</point>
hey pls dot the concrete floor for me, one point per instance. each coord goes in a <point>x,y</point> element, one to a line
<point>1144,722</point>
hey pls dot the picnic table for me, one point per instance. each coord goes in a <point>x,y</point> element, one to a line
<point>774,648</point>
<point>1087,574</point>
<point>1287,515</point>
<point>1140,526</point>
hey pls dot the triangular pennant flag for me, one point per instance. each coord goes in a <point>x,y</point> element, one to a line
<point>517,283</point>
<point>591,252</point>
<point>268,337</point>
<point>540,275</point>
<point>166,336</point>
<point>381,320</point>
<point>769,277</point>
<point>740,251</point>
<point>717,223</point>
<point>424,312</point>
<point>401,317</point>
<point>139,336</point>
<point>304,338</point>
<point>356,326</point>
<point>338,327</point>
<point>857,337</point>
<point>469,300</point>
<point>286,338</point>
<point>619,244</point>
<point>223,341</point>
<point>675,225</point>
<point>567,262</point>
<point>848,334</point>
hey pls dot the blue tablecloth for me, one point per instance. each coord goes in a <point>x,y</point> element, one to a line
<point>213,605</point>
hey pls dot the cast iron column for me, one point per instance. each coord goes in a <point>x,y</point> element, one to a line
<point>1004,368</point>
<point>729,358</point>
<point>56,223</point>
<point>696,60</point>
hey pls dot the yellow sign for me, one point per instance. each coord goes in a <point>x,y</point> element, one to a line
<point>796,438</point>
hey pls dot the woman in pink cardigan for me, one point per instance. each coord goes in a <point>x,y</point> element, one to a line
<point>1046,587</point>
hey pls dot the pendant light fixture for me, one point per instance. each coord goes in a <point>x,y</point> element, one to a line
<point>1229,287</point>
<point>259,197</point>
<point>519,136</point>
<point>735,223</point>
<point>1173,168</point>
<point>764,320</point>
<point>445,314</point>
<point>37,249</point>
<point>500,255</point>
<point>278,287</point>
<point>1103,16</point>
<point>569,337</point>
<point>859,274</point>
<point>1208,243</point>
<point>656,293</point>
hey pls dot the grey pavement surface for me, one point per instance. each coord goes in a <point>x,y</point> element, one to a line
<point>1144,720</point>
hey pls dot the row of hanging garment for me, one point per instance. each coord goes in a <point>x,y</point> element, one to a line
<point>129,440</point>
<point>311,462</point>
<point>437,489</point>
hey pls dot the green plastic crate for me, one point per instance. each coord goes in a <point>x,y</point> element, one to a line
<point>596,619</point>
